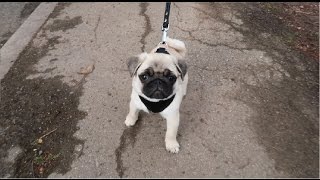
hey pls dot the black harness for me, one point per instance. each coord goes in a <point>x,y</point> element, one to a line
<point>162,50</point>
<point>157,106</point>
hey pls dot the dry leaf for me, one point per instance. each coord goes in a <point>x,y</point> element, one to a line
<point>87,69</point>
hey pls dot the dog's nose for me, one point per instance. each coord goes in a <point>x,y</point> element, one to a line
<point>159,82</point>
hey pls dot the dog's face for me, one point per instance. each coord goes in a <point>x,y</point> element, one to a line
<point>157,84</point>
<point>156,75</point>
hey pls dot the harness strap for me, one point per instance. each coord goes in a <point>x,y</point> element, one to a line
<point>157,107</point>
<point>162,50</point>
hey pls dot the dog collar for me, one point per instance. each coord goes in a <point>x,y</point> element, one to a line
<point>157,106</point>
<point>162,50</point>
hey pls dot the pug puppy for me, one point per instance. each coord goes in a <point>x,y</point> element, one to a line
<point>159,83</point>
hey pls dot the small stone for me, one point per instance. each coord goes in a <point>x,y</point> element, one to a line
<point>78,150</point>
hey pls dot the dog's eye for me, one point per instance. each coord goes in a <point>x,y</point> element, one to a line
<point>171,78</point>
<point>144,77</point>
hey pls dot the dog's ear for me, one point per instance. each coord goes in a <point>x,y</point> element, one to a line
<point>134,63</point>
<point>182,68</point>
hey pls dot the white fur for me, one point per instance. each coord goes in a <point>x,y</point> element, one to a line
<point>177,49</point>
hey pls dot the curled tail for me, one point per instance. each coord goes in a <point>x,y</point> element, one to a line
<point>178,45</point>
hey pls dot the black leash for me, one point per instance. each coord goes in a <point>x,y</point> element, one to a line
<point>165,25</point>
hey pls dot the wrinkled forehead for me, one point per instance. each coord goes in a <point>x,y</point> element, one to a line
<point>159,64</point>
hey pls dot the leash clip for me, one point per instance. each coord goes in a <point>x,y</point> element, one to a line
<point>164,33</point>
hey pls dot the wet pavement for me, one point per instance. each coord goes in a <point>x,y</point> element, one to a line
<point>251,109</point>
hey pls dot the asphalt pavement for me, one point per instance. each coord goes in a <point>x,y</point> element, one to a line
<point>251,109</point>
<point>12,15</point>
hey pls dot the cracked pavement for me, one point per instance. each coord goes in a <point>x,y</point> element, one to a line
<point>251,109</point>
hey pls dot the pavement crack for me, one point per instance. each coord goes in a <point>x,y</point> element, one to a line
<point>204,68</point>
<point>128,137</point>
<point>203,12</point>
<point>96,27</point>
<point>143,9</point>
<point>179,19</point>
<point>193,38</point>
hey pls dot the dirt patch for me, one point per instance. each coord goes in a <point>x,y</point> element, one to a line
<point>128,137</point>
<point>296,24</point>
<point>57,10</point>
<point>5,38</point>
<point>28,9</point>
<point>148,29</point>
<point>302,20</point>
<point>59,24</point>
<point>31,108</point>
<point>38,115</point>
<point>65,24</point>
<point>290,135</point>
<point>287,120</point>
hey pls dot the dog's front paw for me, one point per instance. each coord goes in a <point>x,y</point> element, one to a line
<point>130,121</point>
<point>172,146</point>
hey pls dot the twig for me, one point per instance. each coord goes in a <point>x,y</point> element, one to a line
<point>48,133</point>
<point>43,136</point>
<point>32,169</point>
<point>302,12</point>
